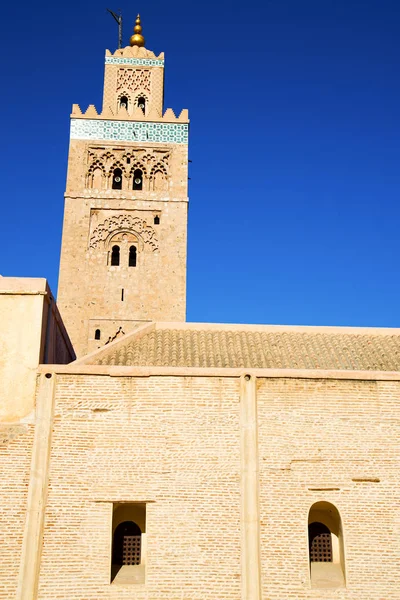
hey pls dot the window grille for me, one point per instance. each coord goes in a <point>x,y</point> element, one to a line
<point>131,550</point>
<point>321,548</point>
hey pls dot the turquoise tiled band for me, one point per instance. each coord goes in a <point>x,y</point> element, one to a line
<point>139,62</point>
<point>129,131</point>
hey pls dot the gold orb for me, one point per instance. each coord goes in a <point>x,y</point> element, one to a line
<point>137,40</point>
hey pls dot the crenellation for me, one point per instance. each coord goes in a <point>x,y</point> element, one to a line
<point>137,115</point>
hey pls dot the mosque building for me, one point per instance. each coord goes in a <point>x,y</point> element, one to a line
<point>146,458</point>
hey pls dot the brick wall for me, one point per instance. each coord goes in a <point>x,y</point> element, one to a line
<point>15,457</point>
<point>322,434</point>
<point>169,441</point>
<point>175,443</point>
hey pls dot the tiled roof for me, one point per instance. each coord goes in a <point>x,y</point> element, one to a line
<point>224,346</point>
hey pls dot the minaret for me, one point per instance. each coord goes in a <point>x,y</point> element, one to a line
<point>123,255</point>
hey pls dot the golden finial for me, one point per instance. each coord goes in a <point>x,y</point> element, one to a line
<point>137,39</point>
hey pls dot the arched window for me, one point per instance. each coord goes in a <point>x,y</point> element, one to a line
<point>325,546</point>
<point>127,544</point>
<point>117,179</point>
<point>320,543</point>
<point>124,102</point>
<point>132,256</point>
<point>141,102</point>
<point>156,220</point>
<point>97,334</point>
<point>115,256</point>
<point>138,179</point>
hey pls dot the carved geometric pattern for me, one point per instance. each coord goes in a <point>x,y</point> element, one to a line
<point>133,79</point>
<point>118,223</point>
<point>138,62</point>
<point>129,131</point>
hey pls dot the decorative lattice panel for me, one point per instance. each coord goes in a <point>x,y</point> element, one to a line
<point>321,548</point>
<point>133,80</point>
<point>129,131</point>
<point>131,550</point>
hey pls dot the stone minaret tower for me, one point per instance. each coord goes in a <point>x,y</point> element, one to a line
<point>123,256</point>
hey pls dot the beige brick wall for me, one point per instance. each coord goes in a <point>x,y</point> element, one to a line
<point>176,443</point>
<point>15,458</point>
<point>323,434</point>
<point>173,442</point>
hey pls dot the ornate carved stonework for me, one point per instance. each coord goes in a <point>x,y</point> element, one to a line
<point>153,163</point>
<point>133,79</point>
<point>124,223</point>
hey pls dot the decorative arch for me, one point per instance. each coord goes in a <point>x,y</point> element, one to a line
<point>158,178</point>
<point>325,546</point>
<point>96,175</point>
<point>121,99</point>
<point>117,164</point>
<point>142,96</point>
<point>138,166</point>
<point>117,170</point>
<point>120,224</point>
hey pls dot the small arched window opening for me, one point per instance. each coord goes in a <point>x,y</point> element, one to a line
<point>156,220</point>
<point>138,179</point>
<point>97,334</point>
<point>117,179</point>
<point>127,544</point>
<point>115,256</point>
<point>132,256</point>
<point>141,102</point>
<point>325,546</point>
<point>124,102</point>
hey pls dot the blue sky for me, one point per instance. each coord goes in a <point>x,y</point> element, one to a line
<point>294,106</point>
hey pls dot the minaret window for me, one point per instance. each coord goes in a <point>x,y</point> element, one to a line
<point>132,256</point>
<point>117,179</point>
<point>97,334</point>
<point>115,256</point>
<point>138,179</point>
<point>156,220</point>
<point>142,104</point>
<point>124,102</point>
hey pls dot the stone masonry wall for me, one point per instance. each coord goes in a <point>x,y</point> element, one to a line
<point>89,288</point>
<point>170,441</point>
<point>316,435</point>
<point>175,443</point>
<point>15,458</point>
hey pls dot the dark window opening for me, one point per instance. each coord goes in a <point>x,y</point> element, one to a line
<point>128,161</point>
<point>142,103</point>
<point>123,102</point>
<point>122,295</point>
<point>320,543</point>
<point>127,544</point>
<point>156,220</point>
<point>115,256</point>
<point>138,179</point>
<point>117,180</point>
<point>128,553</point>
<point>97,334</point>
<point>132,256</point>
